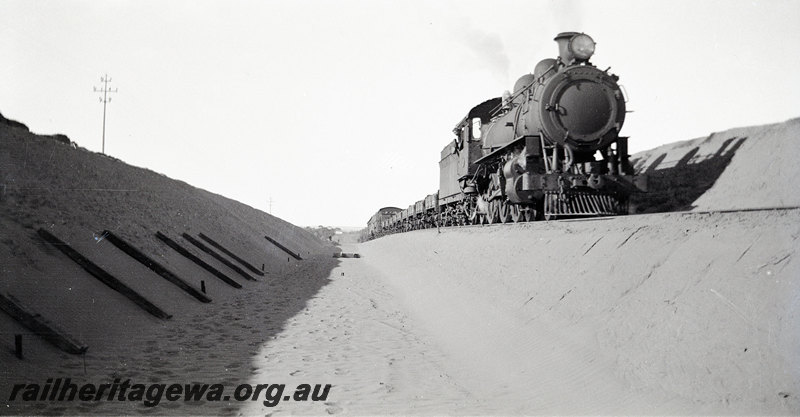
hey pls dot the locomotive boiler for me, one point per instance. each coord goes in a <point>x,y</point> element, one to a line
<point>549,149</point>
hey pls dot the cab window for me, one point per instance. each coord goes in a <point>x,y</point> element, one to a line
<point>476,128</point>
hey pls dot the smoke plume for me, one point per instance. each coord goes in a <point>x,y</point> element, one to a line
<point>489,52</point>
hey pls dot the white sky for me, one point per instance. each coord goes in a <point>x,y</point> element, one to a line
<point>337,108</point>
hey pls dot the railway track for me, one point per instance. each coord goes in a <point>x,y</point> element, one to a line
<point>603,218</point>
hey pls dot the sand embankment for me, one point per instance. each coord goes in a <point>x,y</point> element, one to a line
<point>663,313</point>
<point>740,168</point>
<point>75,194</point>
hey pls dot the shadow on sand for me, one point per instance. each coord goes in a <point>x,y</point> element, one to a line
<point>676,187</point>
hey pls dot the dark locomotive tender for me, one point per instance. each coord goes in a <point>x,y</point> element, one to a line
<point>551,149</point>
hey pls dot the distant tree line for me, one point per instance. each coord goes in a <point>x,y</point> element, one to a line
<point>324,232</point>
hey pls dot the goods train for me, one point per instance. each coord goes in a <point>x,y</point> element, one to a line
<point>550,149</point>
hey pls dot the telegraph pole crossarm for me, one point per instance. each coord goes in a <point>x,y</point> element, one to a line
<point>105,99</point>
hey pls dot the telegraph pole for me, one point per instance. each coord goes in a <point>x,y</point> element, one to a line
<point>105,99</point>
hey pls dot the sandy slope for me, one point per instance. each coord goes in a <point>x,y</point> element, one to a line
<point>741,168</point>
<point>648,314</point>
<point>762,174</point>
<point>76,194</point>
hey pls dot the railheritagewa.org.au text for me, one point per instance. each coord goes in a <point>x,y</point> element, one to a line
<point>64,389</point>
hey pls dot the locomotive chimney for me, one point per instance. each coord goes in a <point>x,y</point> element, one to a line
<point>574,47</point>
<point>564,52</point>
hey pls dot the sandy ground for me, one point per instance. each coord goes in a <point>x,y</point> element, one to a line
<point>356,336</point>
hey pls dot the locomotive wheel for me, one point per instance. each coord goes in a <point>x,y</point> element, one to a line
<point>505,212</point>
<point>494,212</point>
<point>471,212</point>
<point>516,214</point>
<point>473,217</point>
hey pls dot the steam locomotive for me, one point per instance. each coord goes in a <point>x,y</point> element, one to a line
<point>550,149</point>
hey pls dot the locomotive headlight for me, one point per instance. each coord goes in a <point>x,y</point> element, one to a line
<point>582,46</point>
